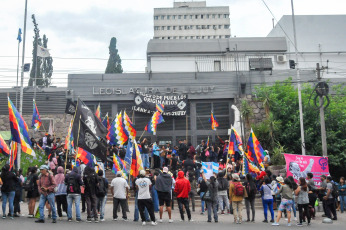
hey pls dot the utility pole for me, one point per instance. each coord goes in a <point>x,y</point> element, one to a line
<point>22,81</point>
<point>323,125</point>
<point>298,83</point>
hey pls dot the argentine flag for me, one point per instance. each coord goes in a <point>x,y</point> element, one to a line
<point>209,168</point>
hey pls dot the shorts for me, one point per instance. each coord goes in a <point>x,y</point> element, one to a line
<point>285,205</point>
<point>164,198</point>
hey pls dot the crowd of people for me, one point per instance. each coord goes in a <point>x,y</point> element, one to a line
<point>171,174</point>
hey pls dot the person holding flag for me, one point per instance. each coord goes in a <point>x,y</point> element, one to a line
<point>36,119</point>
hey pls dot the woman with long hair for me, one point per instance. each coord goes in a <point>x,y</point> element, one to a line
<point>267,197</point>
<point>33,193</point>
<point>9,179</point>
<point>286,191</point>
<point>251,190</point>
<point>294,186</point>
<point>303,200</point>
<point>212,203</point>
<point>342,194</point>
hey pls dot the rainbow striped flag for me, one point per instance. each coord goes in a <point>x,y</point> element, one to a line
<point>36,119</point>
<point>119,165</point>
<point>208,142</point>
<point>69,137</point>
<point>213,121</point>
<point>249,167</point>
<point>40,147</point>
<point>98,112</point>
<point>13,154</point>
<point>160,107</point>
<point>255,152</point>
<point>19,129</point>
<point>86,157</point>
<point>117,134</point>
<point>4,147</point>
<point>233,143</point>
<point>137,164</point>
<point>105,121</point>
<point>154,121</point>
<point>129,127</point>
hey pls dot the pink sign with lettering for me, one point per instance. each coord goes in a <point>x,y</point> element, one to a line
<point>300,165</point>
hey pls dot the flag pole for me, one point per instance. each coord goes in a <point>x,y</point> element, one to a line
<point>22,79</point>
<point>35,71</point>
<point>17,75</point>
<point>187,138</point>
<point>141,136</point>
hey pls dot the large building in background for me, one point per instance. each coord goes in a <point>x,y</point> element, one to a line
<point>192,20</point>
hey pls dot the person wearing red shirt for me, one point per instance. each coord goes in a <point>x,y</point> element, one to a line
<point>182,189</point>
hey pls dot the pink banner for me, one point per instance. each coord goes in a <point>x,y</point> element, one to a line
<point>299,166</point>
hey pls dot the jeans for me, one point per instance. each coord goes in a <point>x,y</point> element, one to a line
<point>51,200</point>
<point>116,203</point>
<point>212,206</point>
<point>145,159</point>
<point>342,202</point>
<point>155,199</point>
<point>202,202</point>
<point>102,202</point>
<point>185,202</point>
<point>70,198</point>
<point>192,198</point>
<point>10,197</point>
<point>136,214</point>
<point>223,199</point>
<point>248,203</point>
<point>266,204</point>
<point>301,213</point>
<point>294,208</point>
<point>162,160</point>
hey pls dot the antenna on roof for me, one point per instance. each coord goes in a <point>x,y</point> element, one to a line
<point>273,22</point>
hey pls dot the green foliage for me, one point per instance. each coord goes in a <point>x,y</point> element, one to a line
<point>285,126</point>
<point>277,157</point>
<point>114,61</point>
<point>246,112</point>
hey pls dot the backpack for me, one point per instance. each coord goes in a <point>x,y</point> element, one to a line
<point>251,192</point>
<point>40,142</point>
<point>101,189</point>
<point>29,184</point>
<point>222,184</point>
<point>238,189</point>
<point>72,185</point>
<point>335,191</point>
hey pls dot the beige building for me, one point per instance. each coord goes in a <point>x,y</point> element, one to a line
<point>192,20</point>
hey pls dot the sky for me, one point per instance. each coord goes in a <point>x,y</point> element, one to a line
<point>79,31</point>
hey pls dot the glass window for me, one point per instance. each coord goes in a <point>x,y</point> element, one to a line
<point>179,17</point>
<point>204,27</point>
<point>198,37</point>
<point>162,27</point>
<point>191,27</point>
<point>174,16</point>
<point>223,122</point>
<point>180,27</point>
<point>123,107</point>
<point>221,108</point>
<point>203,108</point>
<point>174,27</point>
<point>191,16</point>
<point>207,15</point>
<point>186,27</point>
<point>180,37</point>
<point>186,37</point>
<point>214,15</point>
<point>220,26</point>
<point>174,37</point>
<point>202,16</point>
<point>168,17</point>
<point>168,37</point>
<point>180,123</point>
<point>227,36</point>
<point>226,26</point>
<point>162,17</point>
<point>185,16</point>
<point>156,27</point>
<point>168,28</point>
<point>226,15</point>
<point>219,16</point>
<point>164,140</point>
<point>192,37</point>
<point>196,16</point>
<point>217,66</point>
<point>156,17</point>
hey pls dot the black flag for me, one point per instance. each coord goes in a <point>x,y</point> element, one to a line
<point>70,107</point>
<point>85,114</point>
<point>88,141</point>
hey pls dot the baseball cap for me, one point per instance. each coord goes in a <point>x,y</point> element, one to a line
<point>235,176</point>
<point>142,173</point>
<point>44,167</point>
<point>119,173</point>
<point>165,170</point>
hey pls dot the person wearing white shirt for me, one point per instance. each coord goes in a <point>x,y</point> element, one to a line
<point>119,191</point>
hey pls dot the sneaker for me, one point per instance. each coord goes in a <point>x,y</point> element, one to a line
<point>324,215</point>
<point>54,221</point>
<point>115,219</point>
<point>96,220</point>
<point>216,221</point>
<point>170,221</point>
<point>222,213</point>
<point>252,221</point>
<point>335,218</point>
<point>39,221</point>
<point>4,217</point>
<point>153,223</point>
<point>89,220</point>
<point>275,224</point>
<point>124,219</point>
<point>11,217</point>
<point>160,220</point>
<point>295,218</point>
<point>78,220</point>
<point>202,213</point>
<point>69,219</point>
<point>191,220</point>
<point>299,225</point>
<point>30,216</point>
<point>144,223</point>
<point>16,215</point>
<point>271,221</point>
<point>265,221</point>
<point>209,221</point>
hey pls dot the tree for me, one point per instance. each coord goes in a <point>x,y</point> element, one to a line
<point>42,66</point>
<point>114,61</point>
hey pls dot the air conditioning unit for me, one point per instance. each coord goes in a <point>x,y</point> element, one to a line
<point>281,58</point>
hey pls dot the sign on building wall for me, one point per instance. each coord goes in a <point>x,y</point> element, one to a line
<point>174,105</point>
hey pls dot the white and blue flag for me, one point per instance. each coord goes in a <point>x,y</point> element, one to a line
<point>209,168</point>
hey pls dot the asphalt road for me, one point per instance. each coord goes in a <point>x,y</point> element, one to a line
<point>200,222</point>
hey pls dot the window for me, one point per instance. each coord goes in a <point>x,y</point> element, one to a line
<point>168,37</point>
<point>214,37</point>
<point>191,27</point>
<point>220,36</point>
<point>198,27</point>
<point>196,16</point>
<point>214,27</point>
<point>207,15</point>
<point>163,37</point>
<point>174,27</point>
<point>217,66</point>
<point>186,37</point>
<point>180,27</point>
<point>179,17</point>
<point>203,37</point>
<point>260,64</point>
<point>209,37</point>
<point>174,16</point>
<point>168,28</point>
<point>185,16</point>
<point>204,27</point>
<point>156,28</point>
<point>219,16</point>
<point>174,37</point>
<point>198,37</point>
<point>180,37</point>
<point>202,16</point>
<point>192,37</point>
<point>227,36</point>
<point>168,17</point>
<point>220,26</point>
<point>156,37</point>
<point>156,17</point>
<point>191,16</point>
<point>162,17</point>
<point>208,27</point>
<point>214,15</point>
<point>221,112</point>
<point>226,26</point>
<point>162,27</point>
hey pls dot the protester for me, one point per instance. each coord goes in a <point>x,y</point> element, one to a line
<point>251,191</point>
<point>267,199</point>
<point>90,182</point>
<point>163,185</point>
<point>202,186</point>
<point>322,192</point>
<point>223,186</point>
<point>156,155</point>
<point>17,197</point>
<point>330,200</point>
<point>119,189</point>
<point>143,185</point>
<point>342,194</point>
<point>46,185</point>
<point>193,183</point>
<point>101,193</point>
<point>31,187</point>
<point>312,193</point>
<point>74,182</point>
<point>9,180</point>
<point>61,193</point>
<point>236,193</point>
<point>303,201</point>
<point>212,202</point>
<point>182,189</point>
<point>286,191</point>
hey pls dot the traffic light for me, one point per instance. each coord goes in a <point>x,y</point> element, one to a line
<point>292,64</point>
<point>26,67</point>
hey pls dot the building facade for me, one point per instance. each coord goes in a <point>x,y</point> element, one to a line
<point>192,20</point>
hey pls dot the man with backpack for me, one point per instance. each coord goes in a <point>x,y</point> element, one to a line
<point>90,182</point>
<point>330,199</point>
<point>46,186</point>
<point>119,188</point>
<point>73,182</point>
<point>101,193</point>
<point>222,192</point>
<point>236,193</point>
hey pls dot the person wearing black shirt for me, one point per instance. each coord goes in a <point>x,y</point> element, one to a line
<point>203,187</point>
<point>8,189</point>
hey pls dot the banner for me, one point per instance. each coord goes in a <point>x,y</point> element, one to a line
<point>174,105</point>
<point>300,165</point>
<point>209,168</point>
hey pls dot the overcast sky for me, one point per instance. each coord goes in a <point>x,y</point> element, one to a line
<point>83,28</point>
